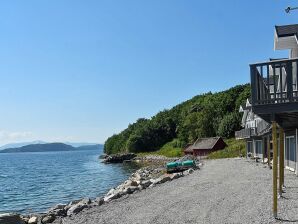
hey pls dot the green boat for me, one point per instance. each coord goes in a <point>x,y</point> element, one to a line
<point>179,166</point>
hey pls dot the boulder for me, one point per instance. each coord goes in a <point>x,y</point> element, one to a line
<point>99,201</point>
<point>71,203</point>
<point>82,204</point>
<point>146,183</point>
<point>175,176</point>
<point>189,171</point>
<point>111,197</point>
<point>130,189</point>
<point>25,219</point>
<point>86,201</point>
<point>162,179</point>
<point>127,183</point>
<point>111,191</point>
<point>76,208</point>
<point>134,183</point>
<point>58,210</point>
<point>136,176</point>
<point>11,218</point>
<point>103,156</point>
<point>48,219</point>
<point>33,220</point>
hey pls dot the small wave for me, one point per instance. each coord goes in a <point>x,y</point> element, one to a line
<point>3,176</point>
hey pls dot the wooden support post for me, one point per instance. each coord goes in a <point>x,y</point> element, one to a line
<point>274,141</point>
<point>269,152</point>
<point>281,160</point>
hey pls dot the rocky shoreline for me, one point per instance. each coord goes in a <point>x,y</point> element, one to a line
<point>145,177</point>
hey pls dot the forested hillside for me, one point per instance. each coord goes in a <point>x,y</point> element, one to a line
<point>204,115</point>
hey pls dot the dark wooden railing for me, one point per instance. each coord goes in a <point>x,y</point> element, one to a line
<point>274,82</point>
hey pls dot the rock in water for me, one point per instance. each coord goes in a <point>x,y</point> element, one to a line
<point>10,218</point>
<point>119,158</point>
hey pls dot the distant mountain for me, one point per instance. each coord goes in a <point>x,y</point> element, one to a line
<point>90,147</point>
<point>20,144</point>
<point>50,147</point>
<point>78,144</point>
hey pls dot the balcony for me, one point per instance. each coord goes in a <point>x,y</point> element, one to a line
<point>274,90</point>
<point>245,133</point>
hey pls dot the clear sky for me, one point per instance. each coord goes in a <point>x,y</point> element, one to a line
<point>83,70</point>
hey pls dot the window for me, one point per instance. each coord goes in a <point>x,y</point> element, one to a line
<point>259,147</point>
<point>249,147</point>
<point>290,148</point>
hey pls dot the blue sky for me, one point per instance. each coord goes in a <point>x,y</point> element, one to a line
<point>83,70</point>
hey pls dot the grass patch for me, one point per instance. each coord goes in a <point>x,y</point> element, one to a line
<point>170,149</point>
<point>235,148</point>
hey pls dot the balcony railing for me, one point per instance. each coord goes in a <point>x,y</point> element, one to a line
<point>262,127</point>
<point>274,82</point>
<point>245,133</point>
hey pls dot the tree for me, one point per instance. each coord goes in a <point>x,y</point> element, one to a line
<point>204,115</point>
<point>229,124</point>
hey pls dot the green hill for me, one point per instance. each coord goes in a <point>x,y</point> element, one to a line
<point>204,115</point>
<point>50,147</point>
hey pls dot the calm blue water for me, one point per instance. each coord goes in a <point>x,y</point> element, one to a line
<point>33,182</point>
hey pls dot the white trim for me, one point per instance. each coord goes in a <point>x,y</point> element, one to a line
<point>254,147</point>
<point>284,149</point>
<point>296,152</point>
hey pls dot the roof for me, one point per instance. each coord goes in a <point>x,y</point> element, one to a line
<point>188,148</point>
<point>203,143</point>
<point>287,30</point>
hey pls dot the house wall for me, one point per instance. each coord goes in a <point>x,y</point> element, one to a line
<point>188,153</point>
<point>255,146</point>
<point>290,137</point>
<point>252,120</point>
<point>202,152</point>
<point>220,144</point>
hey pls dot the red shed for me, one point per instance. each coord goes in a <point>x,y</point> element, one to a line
<point>204,146</point>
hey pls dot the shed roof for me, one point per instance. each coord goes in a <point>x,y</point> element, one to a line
<point>203,143</point>
<point>188,148</point>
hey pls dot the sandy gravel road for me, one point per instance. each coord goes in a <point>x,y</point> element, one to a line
<point>223,191</point>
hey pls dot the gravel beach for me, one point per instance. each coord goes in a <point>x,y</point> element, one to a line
<point>223,191</point>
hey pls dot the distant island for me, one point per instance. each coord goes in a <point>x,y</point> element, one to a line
<point>51,147</point>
